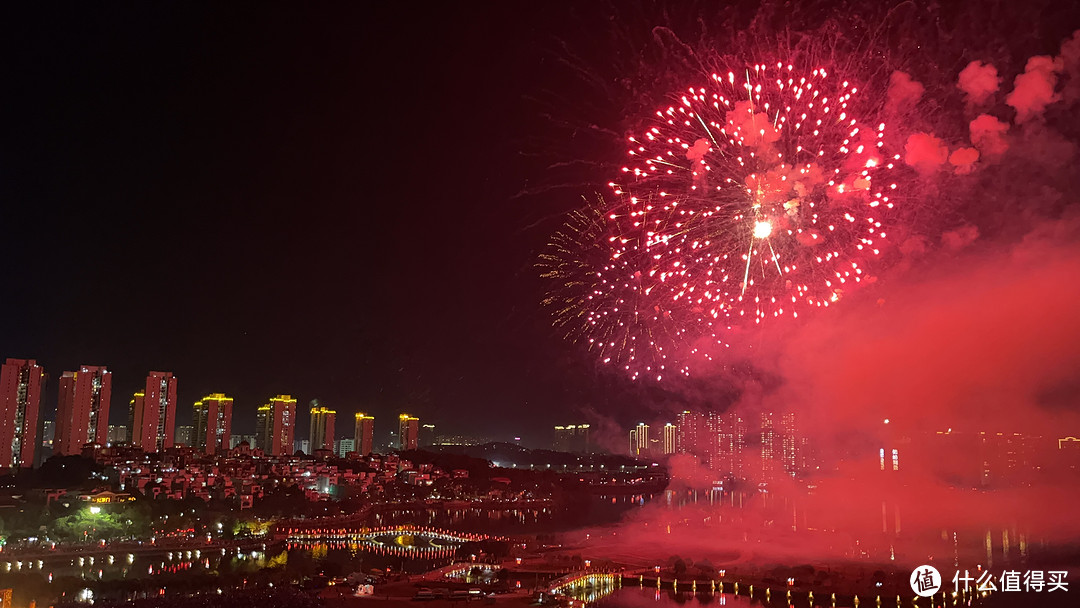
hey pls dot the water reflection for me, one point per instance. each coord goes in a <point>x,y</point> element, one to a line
<point>576,512</point>
<point>631,596</point>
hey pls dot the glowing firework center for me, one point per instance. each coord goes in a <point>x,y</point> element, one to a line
<point>762,230</point>
<point>755,197</point>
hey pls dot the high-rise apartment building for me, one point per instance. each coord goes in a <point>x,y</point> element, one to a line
<point>364,435</point>
<point>408,432</point>
<point>427,435</point>
<point>154,415</point>
<point>185,436</point>
<point>118,433</point>
<point>729,458</point>
<point>82,409</point>
<point>48,434</point>
<point>639,440</point>
<point>21,384</point>
<point>670,438</point>
<point>571,438</point>
<point>343,446</point>
<point>213,423</point>
<point>690,426</point>
<point>274,425</point>
<point>321,433</point>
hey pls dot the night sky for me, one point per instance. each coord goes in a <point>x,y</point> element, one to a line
<point>283,200</point>
<point>347,203</point>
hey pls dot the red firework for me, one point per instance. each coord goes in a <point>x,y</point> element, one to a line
<point>757,196</point>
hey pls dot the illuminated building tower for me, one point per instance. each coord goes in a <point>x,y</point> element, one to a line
<point>154,421</point>
<point>213,423</point>
<point>571,438</point>
<point>770,445</point>
<point>408,432</point>
<point>670,437</point>
<point>793,445</point>
<point>690,429</point>
<point>274,425</point>
<point>364,437</point>
<point>639,440</point>
<point>730,443</point>
<point>20,400</point>
<point>321,433</point>
<point>82,409</point>
<point>427,435</point>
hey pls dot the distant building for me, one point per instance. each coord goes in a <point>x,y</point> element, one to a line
<point>572,438</point>
<point>689,427</point>
<point>154,416</point>
<point>185,436</point>
<point>408,432</point>
<point>427,435</point>
<point>343,447</point>
<point>82,410</point>
<point>302,445</point>
<point>670,438</point>
<point>48,434</point>
<point>213,423</point>
<point>135,405</point>
<point>364,434</point>
<point>461,440</point>
<point>118,433</point>
<point>727,443</point>
<point>639,440</point>
<point>729,456</point>
<point>274,425</point>
<point>21,384</point>
<point>236,440</point>
<point>321,434</point>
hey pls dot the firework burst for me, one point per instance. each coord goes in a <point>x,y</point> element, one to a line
<point>757,196</point>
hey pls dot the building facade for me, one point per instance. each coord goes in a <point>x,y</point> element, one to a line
<point>571,438</point>
<point>408,432</point>
<point>82,409</point>
<point>670,438</point>
<point>274,425</point>
<point>321,433</point>
<point>21,384</point>
<point>364,435</point>
<point>639,440</point>
<point>213,423</point>
<point>154,415</point>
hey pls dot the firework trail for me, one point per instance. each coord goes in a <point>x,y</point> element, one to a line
<point>597,298</point>
<point>758,195</point>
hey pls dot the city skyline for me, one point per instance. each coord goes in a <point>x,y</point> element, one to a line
<point>175,412</point>
<point>151,422</point>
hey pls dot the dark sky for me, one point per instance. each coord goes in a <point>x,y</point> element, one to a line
<point>328,201</point>
<point>311,201</point>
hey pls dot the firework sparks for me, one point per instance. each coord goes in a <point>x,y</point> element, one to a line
<point>755,197</point>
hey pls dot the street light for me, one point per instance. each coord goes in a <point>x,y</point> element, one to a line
<point>95,510</point>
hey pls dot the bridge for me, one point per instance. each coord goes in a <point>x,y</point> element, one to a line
<point>578,582</point>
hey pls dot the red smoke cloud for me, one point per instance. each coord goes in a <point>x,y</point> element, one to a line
<point>925,153</point>
<point>979,81</point>
<point>1034,89</point>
